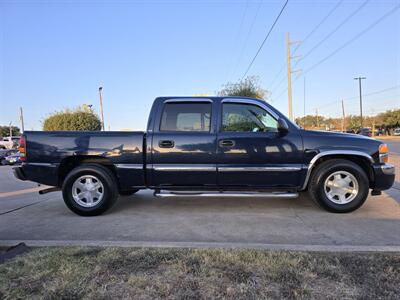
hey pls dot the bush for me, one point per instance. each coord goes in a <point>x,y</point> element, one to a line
<point>248,87</point>
<point>80,119</point>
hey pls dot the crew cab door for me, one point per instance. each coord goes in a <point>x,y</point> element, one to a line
<point>251,150</point>
<point>184,144</point>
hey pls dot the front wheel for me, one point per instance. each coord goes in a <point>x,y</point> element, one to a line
<point>90,190</point>
<point>339,185</point>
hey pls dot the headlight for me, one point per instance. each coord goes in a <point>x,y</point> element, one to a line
<point>383,153</point>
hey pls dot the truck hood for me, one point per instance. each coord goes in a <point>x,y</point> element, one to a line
<point>338,135</point>
<point>321,141</point>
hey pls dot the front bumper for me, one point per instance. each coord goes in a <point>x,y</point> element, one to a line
<point>383,177</point>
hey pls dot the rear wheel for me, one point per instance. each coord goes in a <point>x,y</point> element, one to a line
<point>339,185</point>
<point>90,190</point>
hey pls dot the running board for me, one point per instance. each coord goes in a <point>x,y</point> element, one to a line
<point>165,194</point>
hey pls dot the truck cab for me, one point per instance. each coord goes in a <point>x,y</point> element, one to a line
<point>230,143</point>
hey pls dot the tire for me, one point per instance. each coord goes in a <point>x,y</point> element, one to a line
<point>128,192</point>
<point>3,162</point>
<point>338,176</point>
<point>90,190</point>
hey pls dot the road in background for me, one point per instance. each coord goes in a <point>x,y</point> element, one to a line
<point>394,145</point>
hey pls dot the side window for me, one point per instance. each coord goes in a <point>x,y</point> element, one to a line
<point>247,118</point>
<point>186,117</point>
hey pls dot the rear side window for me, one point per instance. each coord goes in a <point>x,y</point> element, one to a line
<point>186,117</point>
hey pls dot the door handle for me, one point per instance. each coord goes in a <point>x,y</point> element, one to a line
<point>227,143</point>
<point>166,144</point>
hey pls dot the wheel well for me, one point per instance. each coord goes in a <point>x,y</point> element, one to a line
<point>69,163</point>
<point>361,161</point>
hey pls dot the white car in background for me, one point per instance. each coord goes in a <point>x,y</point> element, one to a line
<point>9,142</point>
<point>396,131</point>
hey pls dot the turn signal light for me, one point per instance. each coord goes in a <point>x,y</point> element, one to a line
<point>22,148</point>
<point>383,153</point>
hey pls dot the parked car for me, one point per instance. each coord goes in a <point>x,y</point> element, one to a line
<point>5,153</point>
<point>379,132</point>
<point>349,131</point>
<point>365,132</point>
<point>211,147</point>
<point>396,131</point>
<point>13,159</point>
<point>9,142</point>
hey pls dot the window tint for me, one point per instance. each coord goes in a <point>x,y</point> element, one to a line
<point>186,117</point>
<point>247,117</point>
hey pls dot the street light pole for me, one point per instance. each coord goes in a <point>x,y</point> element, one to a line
<point>21,116</point>
<point>101,109</point>
<point>359,85</point>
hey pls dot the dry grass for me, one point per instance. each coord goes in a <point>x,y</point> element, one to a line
<point>99,273</point>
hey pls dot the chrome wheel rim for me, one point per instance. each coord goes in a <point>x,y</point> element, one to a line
<point>341,187</point>
<point>87,191</point>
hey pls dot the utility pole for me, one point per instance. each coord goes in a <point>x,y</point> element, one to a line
<point>289,73</point>
<point>316,111</point>
<point>359,84</point>
<point>101,109</point>
<point>10,129</point>
<point>21,117</point>
<point>344,117</point>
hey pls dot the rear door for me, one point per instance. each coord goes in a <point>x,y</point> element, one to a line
<point>251,150</point>
<point>184,144</point>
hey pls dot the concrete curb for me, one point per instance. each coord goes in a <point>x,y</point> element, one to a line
<point>203,245</point>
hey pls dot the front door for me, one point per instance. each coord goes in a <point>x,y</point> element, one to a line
<point>251,150</point>
<point>184,145</point>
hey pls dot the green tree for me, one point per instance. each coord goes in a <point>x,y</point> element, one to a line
<point>81,118</point>
<point>311,121</point>
<point>5,131</point>
<point>248,87</point>
<point>390,118</point>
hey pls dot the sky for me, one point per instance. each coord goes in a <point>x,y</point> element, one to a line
<point>55,55</point>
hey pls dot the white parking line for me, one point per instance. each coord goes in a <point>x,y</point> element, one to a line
<point>21,192</point>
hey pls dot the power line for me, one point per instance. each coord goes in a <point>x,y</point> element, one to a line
<point>354,38</point>
<point>318,25</point>
<point>305,39</point>
<point>239,30</point>
<point>357,97</point>
<point>277,75</point>
<point>335,29</point>
<point>265,39</point>
<point>279,84</point>
<point>347,43</point>
<point>247,37</point>
<point>375,92</point>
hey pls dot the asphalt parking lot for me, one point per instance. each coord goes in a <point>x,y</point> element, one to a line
<point>144,220</point>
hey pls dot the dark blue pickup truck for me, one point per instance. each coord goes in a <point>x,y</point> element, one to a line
<point>207,146</point>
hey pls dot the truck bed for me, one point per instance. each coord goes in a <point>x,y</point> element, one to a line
<point>50,150</point>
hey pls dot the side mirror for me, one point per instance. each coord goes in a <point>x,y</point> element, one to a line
<point>283,127</point>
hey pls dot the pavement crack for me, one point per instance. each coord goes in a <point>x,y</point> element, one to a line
<point>313,228</point>
<point>21,207</point>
